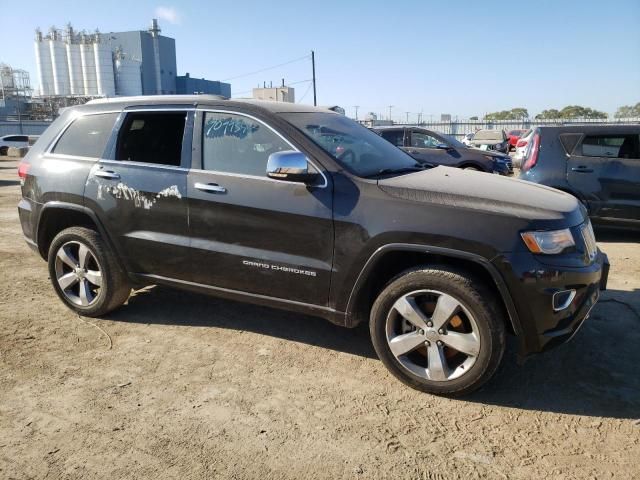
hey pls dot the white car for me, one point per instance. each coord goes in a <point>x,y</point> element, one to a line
<point>521,148</point>
<point>466,140</point>
<point>9,141</point>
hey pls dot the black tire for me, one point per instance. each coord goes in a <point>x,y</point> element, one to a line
<point>114,289</point>
<point>478,301</point>
<point>4,151</point>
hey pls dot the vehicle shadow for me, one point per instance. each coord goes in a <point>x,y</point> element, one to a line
<point>166,306</point>
<point>594,375</point>
<point>6,183</point>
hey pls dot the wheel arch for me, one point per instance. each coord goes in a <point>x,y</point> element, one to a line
<point>56,216</point>
<point>390,260</point>
<point>470,163</point>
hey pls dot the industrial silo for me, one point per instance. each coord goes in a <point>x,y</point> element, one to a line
<point>76,84</point>
<point>59,64</point>
<point>104,69</point>
<point>87,60</point>
<point>43,62</point>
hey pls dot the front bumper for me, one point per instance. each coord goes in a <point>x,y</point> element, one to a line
<point>533,284</point>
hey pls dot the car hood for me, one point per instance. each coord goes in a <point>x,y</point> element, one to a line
<point>542,206</point>
<point>486,142</point>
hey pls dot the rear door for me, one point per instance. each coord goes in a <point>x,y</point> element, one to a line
<point>605,168</point>
<point>139,190</point>
<point>423,147</point>
<point>251,233</point>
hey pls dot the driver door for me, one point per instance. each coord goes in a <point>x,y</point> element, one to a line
<point>251,233</point>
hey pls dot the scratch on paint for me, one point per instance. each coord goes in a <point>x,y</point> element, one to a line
<point>140,200</point>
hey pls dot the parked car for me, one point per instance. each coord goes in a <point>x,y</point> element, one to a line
<point>491,140</point>
<point>521,148</point>
<point>434,148</point>
<point>600,165</point>
<point>251,201</point>
<point>9,141</point>
<point>467,140</point>
<point>513,137</point>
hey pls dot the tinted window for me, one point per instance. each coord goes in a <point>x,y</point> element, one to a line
<point>152,137</point>
<point>355,147</point>
<point>237,144</point>
<point>16,138</point>
<point>611,146</point>
<point>394,136</point>
<point>422,140</point>
<point>86,136</point>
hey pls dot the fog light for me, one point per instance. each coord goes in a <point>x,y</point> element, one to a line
<point>563,299</point>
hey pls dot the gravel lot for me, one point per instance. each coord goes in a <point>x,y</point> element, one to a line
<point>178,385</point>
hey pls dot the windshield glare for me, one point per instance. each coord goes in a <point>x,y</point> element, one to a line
<point>355,147</point>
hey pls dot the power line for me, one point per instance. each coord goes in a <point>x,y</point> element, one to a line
<point>287,85</point>
<point>267,68</point>
<point>306,92</point>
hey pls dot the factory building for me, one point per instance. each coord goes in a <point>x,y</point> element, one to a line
<point>189,85</point>
<point>275,94</point>
<point>105,64</point>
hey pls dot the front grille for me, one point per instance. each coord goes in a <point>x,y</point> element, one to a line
<point>509,165</point>
<point>589,238</point>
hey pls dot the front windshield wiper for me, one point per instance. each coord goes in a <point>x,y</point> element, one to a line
<point>386,171</point>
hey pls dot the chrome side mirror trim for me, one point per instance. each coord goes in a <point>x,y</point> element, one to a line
<point>289,165</point>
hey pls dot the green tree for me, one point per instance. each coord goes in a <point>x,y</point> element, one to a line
<point>570,111</point>
<point>513,114</point>
<point>550,114</point>
<point>474,118</point>
<point>627,111</point>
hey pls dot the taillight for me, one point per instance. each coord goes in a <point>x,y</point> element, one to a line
<point>532,157</point>
<point>23,170</point>
<point>521,143</point>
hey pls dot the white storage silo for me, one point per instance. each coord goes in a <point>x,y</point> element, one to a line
<point>59,65</point>
<point>128,77</point>
<point>88,63</point>
<point>43,62</point>
<point>104,69</point>
<point>76,83</point>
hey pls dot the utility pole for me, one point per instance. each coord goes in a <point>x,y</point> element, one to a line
<point>390,107</point>
<point>407,122</point>
<point>356,107</point>
<point>313,71</point>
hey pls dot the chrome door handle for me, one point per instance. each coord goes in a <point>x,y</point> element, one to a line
<point>582,169</point>
<point>210,188</point>
<point>108,174</point>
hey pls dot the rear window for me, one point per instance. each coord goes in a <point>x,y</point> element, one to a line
<point>86,136</point>
<point>611,146</point>
<point>489,135</point>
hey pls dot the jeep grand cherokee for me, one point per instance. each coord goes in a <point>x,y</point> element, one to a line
<point>303,209</point>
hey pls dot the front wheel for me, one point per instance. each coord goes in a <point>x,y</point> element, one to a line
<point>437,330</point>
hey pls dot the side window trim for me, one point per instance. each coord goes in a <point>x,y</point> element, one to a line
<point>197,163</point>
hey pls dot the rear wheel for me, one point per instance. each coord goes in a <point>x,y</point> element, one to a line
<point>85,274</point>
<point>438,331</point>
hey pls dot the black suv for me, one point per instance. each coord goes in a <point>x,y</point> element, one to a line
<point>434,148</point>
<point>598,164</point>
<point>303,209</point>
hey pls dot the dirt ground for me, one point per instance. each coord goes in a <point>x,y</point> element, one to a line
<point>178,385</point>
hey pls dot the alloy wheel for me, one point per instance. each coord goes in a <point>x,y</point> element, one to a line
<point>78,273</point>
<point>432,335</point>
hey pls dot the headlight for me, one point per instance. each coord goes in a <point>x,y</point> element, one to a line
<point>548,242</point>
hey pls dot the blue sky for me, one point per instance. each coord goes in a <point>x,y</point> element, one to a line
<point>461,57</point>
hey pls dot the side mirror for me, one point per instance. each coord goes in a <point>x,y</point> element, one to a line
<point>443,146</point>
<point>289,165</point>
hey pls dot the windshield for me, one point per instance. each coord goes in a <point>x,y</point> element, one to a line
<point>489,135</point>
<point>451,140</point>
<point>355,147</point>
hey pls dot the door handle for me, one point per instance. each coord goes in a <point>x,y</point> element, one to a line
<point>582,169</point>
<point>108,174</point>
<point>210,187</point>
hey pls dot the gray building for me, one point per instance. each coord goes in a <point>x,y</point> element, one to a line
<point>156,54</point>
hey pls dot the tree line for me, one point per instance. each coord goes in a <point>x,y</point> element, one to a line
<point>568,112</point>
